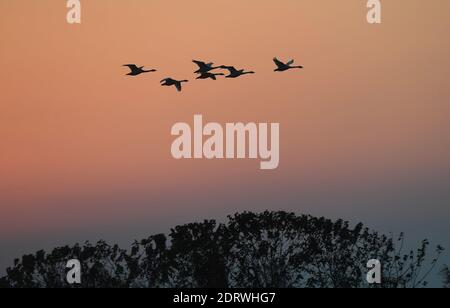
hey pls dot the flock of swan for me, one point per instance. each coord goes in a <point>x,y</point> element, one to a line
<point>207,71</point>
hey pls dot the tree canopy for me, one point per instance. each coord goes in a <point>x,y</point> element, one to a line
<point>270,249</point>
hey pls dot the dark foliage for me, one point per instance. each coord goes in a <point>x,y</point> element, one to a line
<point>103,266</point>
<point>271,249</point>
<point>446,275</point>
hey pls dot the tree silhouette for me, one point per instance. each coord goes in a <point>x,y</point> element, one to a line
<point>446,275</point>
<point>4,283</point>
<point>271,249</point>
<point>103,266</point>
<point>149,263</point>
<point>198,255</point>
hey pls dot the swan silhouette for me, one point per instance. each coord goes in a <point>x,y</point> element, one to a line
<point>281,67</point>
<point>135,70</point>
<point>234,73</point>
<point>204,67</point>
<point>209,75</point>
<point>172,82</point>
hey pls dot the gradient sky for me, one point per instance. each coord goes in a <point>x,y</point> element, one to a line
<point>85,151</point>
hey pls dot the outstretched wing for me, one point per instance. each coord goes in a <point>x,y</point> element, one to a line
<point>201,65</point>
<point>290,62</point>
<point>132,67</point>
<point>278,62</point>
<point>178,85</point>
<point>232,69</point>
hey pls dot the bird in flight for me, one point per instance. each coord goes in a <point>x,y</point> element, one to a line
<point>172,82</point>
<point>234,73</point>
<point>135,70</point>
<point>209,75</point>
<point>281,67</point>
<point>204,67</point>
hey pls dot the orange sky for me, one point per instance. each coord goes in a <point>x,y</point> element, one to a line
<point>79,141</point>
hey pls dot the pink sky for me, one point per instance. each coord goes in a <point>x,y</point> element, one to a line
<point>85,148</point>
